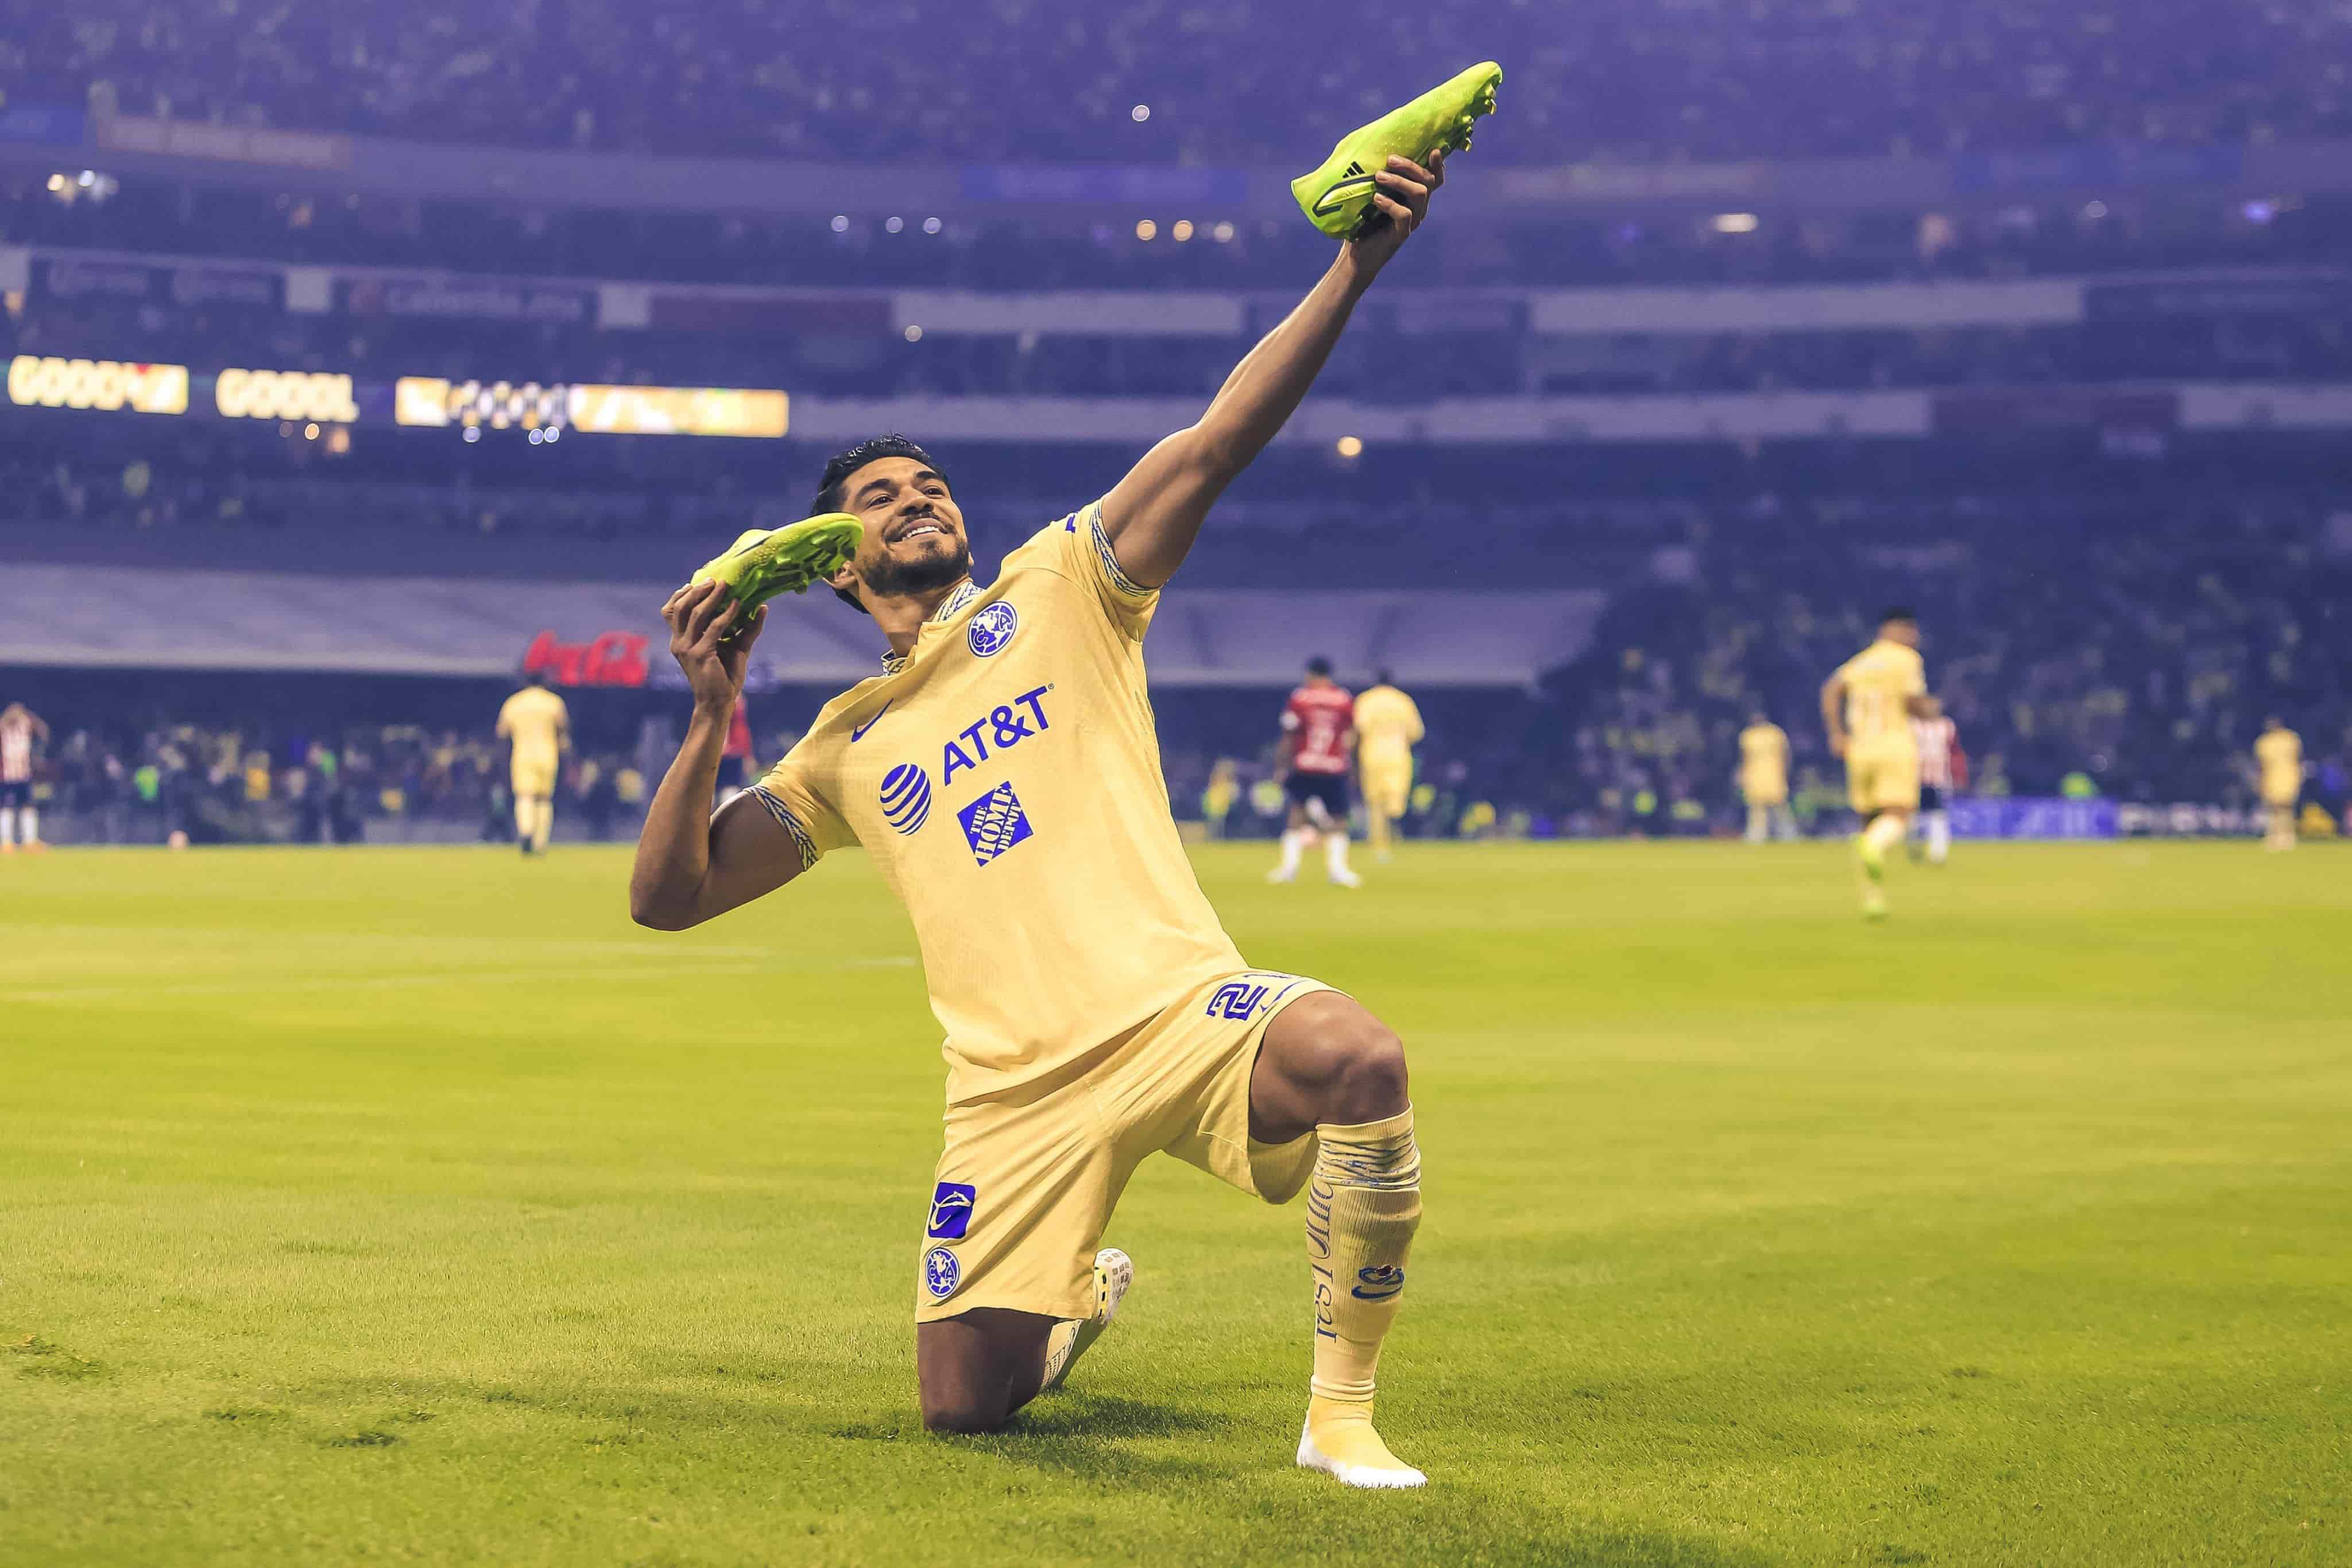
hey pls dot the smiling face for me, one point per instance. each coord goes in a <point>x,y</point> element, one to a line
<point>914,532</point>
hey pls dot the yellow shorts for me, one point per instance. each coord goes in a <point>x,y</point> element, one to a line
<point>1883,777</point>
<point>1765,792</point>
<point>1028,1179</point>
<point>1388,790</point>
<point>532,781</point>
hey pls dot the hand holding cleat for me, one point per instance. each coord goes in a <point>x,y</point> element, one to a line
<point>765,562</point>
<point>1342,197</point>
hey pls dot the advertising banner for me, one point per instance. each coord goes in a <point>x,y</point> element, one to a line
<point>1975,818</point>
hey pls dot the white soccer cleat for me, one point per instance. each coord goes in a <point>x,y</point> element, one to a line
<point>1114,1272</point>
<point>1394,1474</point>
<point>1278,877</point>
<point>1346,879</point>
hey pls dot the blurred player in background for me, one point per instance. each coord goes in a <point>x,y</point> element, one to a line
<point>1943,771</point>
<point>1388,726</point>
<point>1764,780</point>
<point>2278,752</point>
<point>20,728</point>
<point>1867,705</point>
<point>538,726</point>
<point>1318,725</point>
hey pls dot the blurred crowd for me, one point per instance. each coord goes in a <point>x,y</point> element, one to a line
<point>2129,649</point>
<point>1208,81</point>
<point>264,782</point>
<point>2030,237</point>
<point>2083,640</point>
<point>2289,339</point>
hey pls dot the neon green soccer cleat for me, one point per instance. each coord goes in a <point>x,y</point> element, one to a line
<point>1335,197</point>
<point>764,562</point>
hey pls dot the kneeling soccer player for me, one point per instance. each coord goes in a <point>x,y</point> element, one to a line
<point>1004,774</point>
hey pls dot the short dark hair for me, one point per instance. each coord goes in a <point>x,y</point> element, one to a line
<point>1894,613</point>
<point>848,461</point>
<point>1318,665</point>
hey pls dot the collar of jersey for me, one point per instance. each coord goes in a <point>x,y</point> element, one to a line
<point>968,590</point>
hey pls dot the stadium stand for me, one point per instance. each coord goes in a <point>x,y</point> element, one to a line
<point>1221,82</point>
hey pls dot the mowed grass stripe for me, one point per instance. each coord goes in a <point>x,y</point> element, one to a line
<point>2013,1232</point>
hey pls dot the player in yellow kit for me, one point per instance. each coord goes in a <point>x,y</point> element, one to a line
<point>537,727</point>
<point>1867,705</point>
<point>2278,753</point>
<point>1764,780</point>
<point>1002,774</point>
<point>1388,726</point>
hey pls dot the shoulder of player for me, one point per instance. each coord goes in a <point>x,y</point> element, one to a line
<point>1050,548</point>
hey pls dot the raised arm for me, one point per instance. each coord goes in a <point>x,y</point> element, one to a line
<point>692,866</point>
<point>1154,514</point>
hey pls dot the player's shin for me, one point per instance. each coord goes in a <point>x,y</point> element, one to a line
<point>1293,844</point>
<point>8,826</point>
<point>542,825</point>
<point>1335,853</point>
<point>1939,837</point>
<point>1363,1206</point>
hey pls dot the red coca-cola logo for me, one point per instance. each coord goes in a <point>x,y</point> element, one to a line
<point>615,659</point>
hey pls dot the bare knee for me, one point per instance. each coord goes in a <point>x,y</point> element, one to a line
<point>962,1413</point>
<point>1370,1083</point>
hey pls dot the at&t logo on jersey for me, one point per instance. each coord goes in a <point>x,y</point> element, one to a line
<point>906,797</point>
<point>994,823</point>
<point>940,1273</point>
<point>1007,726</point>
<point>993,628</point>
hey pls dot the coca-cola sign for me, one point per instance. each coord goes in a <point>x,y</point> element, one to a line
<point>613,659</point>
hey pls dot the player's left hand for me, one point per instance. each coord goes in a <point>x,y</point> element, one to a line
<point>1399,205</point>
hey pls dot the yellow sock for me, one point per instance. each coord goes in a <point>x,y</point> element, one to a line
<point>1363,1205</point>
<point>543,822</point>
<point>1379,832</point>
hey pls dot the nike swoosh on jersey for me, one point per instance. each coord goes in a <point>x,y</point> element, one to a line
<point>859,733</point>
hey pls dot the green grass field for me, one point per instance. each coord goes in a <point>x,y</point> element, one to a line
<point>410,1206</point>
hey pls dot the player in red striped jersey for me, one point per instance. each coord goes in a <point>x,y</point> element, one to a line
<point>1943,771</point>
<point>1319,733</point>
<point>19,728</point>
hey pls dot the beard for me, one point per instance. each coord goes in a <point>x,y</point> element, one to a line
<point>934,570</point>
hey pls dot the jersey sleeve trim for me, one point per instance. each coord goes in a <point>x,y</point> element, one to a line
<point>1111,569</point>
<point>791,823</point>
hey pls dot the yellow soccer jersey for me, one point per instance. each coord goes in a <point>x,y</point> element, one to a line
<point>534,718</point>
<point>1005,779</point>
<point>1764,764</point>
<point>1880,680</point>
<point>1388,726</point>
<point>2280,752</point>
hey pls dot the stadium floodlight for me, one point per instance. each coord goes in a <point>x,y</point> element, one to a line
<point>1183,231</point>
<point>1145,229</point>
<point>914,334</point>
<point>895,224</point>
<point>1350,446</point>
<point>841,223</point>
<point>930,225</point>
<point>1140,113</point>
<point>1737,223</point>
